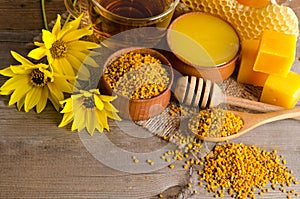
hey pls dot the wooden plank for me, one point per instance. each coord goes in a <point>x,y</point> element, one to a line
<point>26,14</point>
<point>19,41</point>
<point>38,159</point>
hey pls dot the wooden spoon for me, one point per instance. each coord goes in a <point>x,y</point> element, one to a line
<point>194,91</point>
<point>252,121</point>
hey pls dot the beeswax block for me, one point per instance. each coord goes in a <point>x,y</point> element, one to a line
<point>282,91</point>
<point>276,53</point>
<point>246,73</point>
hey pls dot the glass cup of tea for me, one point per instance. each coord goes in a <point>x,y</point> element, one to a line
<point>112,17</point>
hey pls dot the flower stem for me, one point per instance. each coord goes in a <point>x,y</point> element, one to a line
<point>44,15</point>
<point>69,15</point>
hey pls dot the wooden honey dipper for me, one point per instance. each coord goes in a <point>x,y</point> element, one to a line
<point>194,91</point>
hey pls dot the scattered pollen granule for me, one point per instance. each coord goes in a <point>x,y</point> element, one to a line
<point>239,169</point>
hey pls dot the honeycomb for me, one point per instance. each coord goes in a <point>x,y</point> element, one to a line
<point>255,3</point>
<point>249,22</point>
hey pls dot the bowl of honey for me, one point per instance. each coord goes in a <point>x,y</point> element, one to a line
<point>203,45</point>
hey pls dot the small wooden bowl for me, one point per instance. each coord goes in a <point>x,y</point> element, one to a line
<point>216,73</point>
<point>139,109</point>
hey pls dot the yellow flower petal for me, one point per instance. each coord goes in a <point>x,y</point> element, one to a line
<point>99,128</point>
<point>102,119</point>
<point>67,118</point>
<point>20,103</point>
<point>5,92</point>
<point>32,98</point>
<point>39,44</point>
<point>108,98</point>
<point>84,58</point>
<point>86,93</point>
<point>70,26</point>
<point>68,100</point>
<point>76,34</point>
<point>20,59</point>
<point>79,118</point>
<point>63,32</point>
<point>63,85</point>
<point>55,92</point>
<point>95,91</point>
<point>109,107</point>
<point>56,27</point>
<point>97,124</point>
<point>16,96</point>
<point>74,61</point>
<point>21,69</point>
<point>13,83</point>
<point>113,115</point>
<point>90,120</point>
<point>73,25</point>
<point>43,100</point>
<point>83,73</point>
<point>62,66</point>
<point>98,102</point>
<point>91,53</point>
<point>68,107</point>
<point>20,92</point>
<point>55,102</point>
<point>6,72</point>
<point>48,38</point>
<point>73,128</point>
<point>82,45</point>
<point>37,53</point>
<point>49,56</point>
<point>76,97</point>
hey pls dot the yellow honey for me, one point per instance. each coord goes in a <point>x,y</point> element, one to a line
<point>249,22</point>
<point>203,39</point>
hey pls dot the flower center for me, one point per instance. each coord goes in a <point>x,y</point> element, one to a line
<point>58,49</point>
<point>88,102</point>
<point>38,78</point>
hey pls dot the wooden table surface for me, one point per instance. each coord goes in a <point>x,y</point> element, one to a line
<point>40,160</point>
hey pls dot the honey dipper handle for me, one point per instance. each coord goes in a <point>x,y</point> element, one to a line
<point>251,105</point>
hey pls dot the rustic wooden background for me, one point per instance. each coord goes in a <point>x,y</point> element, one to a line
<point>40,160</point>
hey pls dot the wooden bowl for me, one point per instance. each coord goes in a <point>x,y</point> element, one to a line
<point>139,109</point>
<point>216,73</point>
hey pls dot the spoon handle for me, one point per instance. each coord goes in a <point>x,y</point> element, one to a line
<point>281,115</point>
<point>254,105</point>
<point>255,120</point>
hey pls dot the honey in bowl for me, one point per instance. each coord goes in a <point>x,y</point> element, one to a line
<point>204,40</point>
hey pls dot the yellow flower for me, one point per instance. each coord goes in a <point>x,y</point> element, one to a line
<point>90,110</point>
<point>65,52</point>
<point>32,85</point>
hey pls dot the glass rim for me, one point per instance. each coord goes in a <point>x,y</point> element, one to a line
<point>129,19</point>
